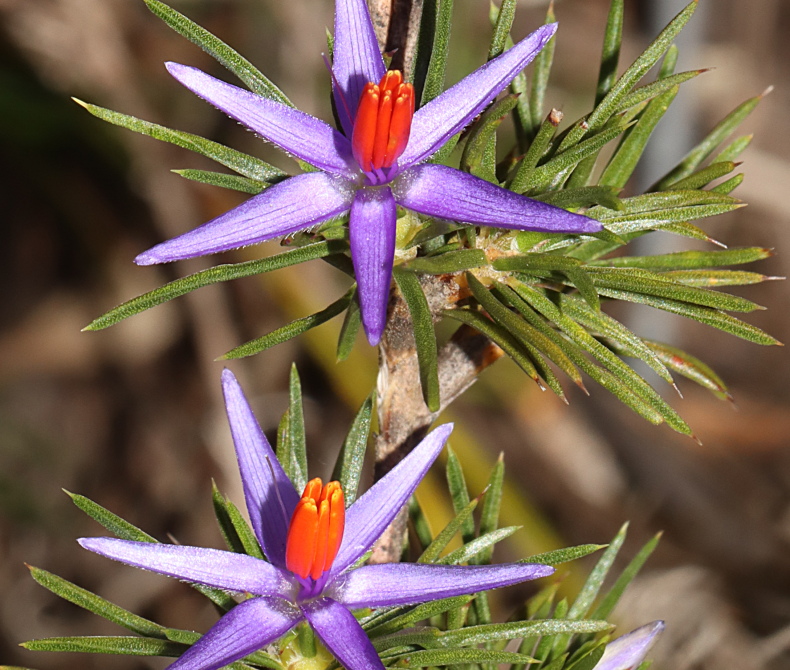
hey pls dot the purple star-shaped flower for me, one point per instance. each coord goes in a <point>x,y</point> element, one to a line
<point>282,599</point>
<point>346,181</point>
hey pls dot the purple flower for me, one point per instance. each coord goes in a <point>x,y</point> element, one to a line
<point>381,166</point>
<point>307,575</point>
<point>629,650</point>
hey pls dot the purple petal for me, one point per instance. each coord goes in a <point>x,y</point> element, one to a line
<point>411,583</point>
<point>630,650</point>
<point>356,59</point>
<point>369,516</point>
<point>221,569</point>
<point>293,131</point>
<point>447,193</point>
<point>291,205</point>
<point>454,109</point>
<point>372,232</point>
<point>246,628</point>
<point>270,502</point>
<point>342,635</point>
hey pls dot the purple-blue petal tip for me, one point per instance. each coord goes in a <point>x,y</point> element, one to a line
<point>147,258</point>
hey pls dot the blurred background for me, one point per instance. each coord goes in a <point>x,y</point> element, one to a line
<point>132,417</point>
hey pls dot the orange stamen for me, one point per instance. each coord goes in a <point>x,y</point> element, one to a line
<point>316,530</point>
<point>383,122</point>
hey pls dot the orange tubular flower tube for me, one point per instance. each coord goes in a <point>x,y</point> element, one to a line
<point>316,530</point>
<point>383,122</point>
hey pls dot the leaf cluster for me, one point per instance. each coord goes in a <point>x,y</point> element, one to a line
<point>537,295</point>
<point>556,634</point>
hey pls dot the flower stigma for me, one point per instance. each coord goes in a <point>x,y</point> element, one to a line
<point>382,125</point>
<point>316,530</point>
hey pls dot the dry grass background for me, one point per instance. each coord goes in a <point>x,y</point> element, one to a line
<point>132,417</point>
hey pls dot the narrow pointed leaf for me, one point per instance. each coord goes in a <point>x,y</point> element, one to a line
<point>434,78</point>
<point>649,91</point>
<point>215,275</point>
<point>610,55</point>
<point>247,538</point>
<point>456,483</point>
<point>540,74</point>
<point>716,278</point>
<point>481,135</point>
<point>444,537</point>
<point>232,182</point>
<point>734,149</point>
<point>688,260</point>
<point>571,198</point>
<point>352,322</point>
<point>422,528</point>
<point>705,148</point>
<point>229,534</point>
<point>435,657</point>
<point>216,48</point>
<point>564,555</point>
<point>690,367</point>
<point>611,599</point>
<point>492,502</point>
<point>728,186</point>
<point>447,263</point>
<point>245,165</point>
<point>537,149</point>
<point>296,432</point>
<point>290,331</point>
<point>424,336</point>
<point>504,22</point>
<point>592,586</point>
<point>129,646</point>
<point>414,614</point>
<point>703,177</point>
<point>472,550</point>
<point>519,629</point>
<point>348,467</point>
<point>93,603</point>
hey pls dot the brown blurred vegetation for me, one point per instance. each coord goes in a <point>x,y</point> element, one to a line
<point>132,416</point>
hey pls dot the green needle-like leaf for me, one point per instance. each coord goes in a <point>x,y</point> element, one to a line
<point>564,555</point>
<point>352,322</point>
<point>610,55</point>
<point>348,467</point>
<point>688,260</point>
<point>436,657</point>
<point>434,79</point>
<point>492,501</point>
<point>229,534</point>
<point>498,335</point>
<point>424,336</point>
<point>519,629</point>
<point>482,134</point>
<point>716,278</point>
<point>624,161</point>
<point>422,528</point>
<point>537,149</point>
<point>502,27</point>
<point>636,280</point>
<point>594,582</point>
<point>291,330</point>
<point>245,165</point>
<point>126,531</point>
<point>297,443</point>
<point>215,275</point>
<point>573,198</point>
<point>472,550</point>
<point>704,176</point>
<point>705,148</point>
<point>447,263</point>
<point>690,367</point>
<point>611,599</point>
<point>707,315</point>
<point>414,614</point>
<point>129,646</point>
<point>93,603</point>
<point>216,48</point>
<point>456,483</point>
<point>540,74</point>
<point>436,547</point>
<point>656,88</point>
<point>246,536</point>
<point>233,182</point>
<point>734,149</point>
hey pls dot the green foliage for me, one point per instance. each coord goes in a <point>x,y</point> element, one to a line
<point>537,295</point>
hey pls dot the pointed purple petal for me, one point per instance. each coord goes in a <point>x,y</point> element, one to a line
<point>221,569</point>
<point>630,650</point>
<point>447,193</point>
<point>291,205</point>
<point>256,462</point>
<point>411,583</point>
<point>454,109</point>
<point>342,635</point>
<point>293,131</point>
<point>246,628</point>
<point>369,516</point>
<point>372,232</point>
<point>356,59</point>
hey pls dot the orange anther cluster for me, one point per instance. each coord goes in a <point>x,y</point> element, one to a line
<point>316,529</point>
<point>383,123</point>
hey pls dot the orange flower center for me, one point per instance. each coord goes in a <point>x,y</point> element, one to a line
<point>316,529</point>
<point>383,123</point>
